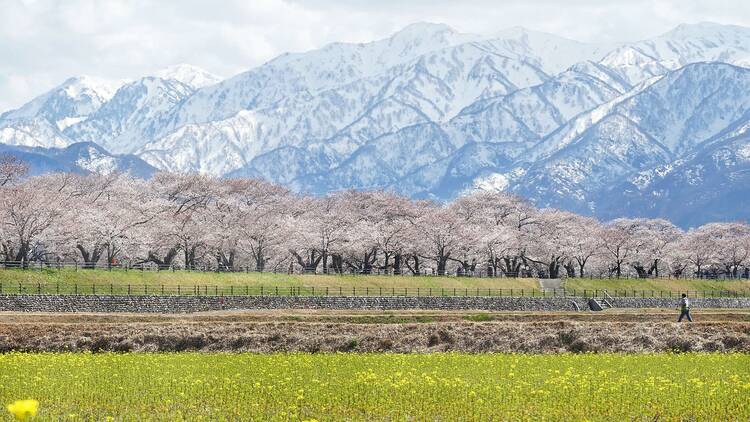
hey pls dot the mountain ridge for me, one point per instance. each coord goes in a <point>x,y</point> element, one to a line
<point>429,112</point>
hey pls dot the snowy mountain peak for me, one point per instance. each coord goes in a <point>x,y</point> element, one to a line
<point>684,44</point>
<point>704,29</point>
<point>627,55</point>
<point>131,116</point>
<point>423,30</point>
<point>189,75</point>
<point>87,85</point>
<point>76,97</point>
<point>520,32</point>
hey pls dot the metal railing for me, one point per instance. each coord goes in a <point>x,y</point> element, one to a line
<point>25,288</point>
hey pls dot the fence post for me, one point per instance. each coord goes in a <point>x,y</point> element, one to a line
<point>38,288</point>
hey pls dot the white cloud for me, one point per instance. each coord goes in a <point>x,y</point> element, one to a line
<point>43,42</point>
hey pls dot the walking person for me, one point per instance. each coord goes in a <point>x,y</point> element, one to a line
<point>685,309</point>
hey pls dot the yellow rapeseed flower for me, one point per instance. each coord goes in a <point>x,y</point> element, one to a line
<point>23,409</point>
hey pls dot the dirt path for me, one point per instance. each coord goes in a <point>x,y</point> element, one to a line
<point>380,317</point>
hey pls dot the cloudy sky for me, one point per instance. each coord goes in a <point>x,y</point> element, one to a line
<point>42,42</point>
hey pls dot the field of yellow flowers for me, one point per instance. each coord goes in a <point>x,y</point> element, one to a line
<point>441,386</point>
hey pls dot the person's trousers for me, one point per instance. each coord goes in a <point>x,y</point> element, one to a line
<point>685,313</point>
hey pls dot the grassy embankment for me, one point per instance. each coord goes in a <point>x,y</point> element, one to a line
<point>81,281</point>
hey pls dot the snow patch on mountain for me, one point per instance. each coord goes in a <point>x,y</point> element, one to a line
<point>32,132</point>
<point>133,115</point>
<point>189,75</point>
<point>494,182</point>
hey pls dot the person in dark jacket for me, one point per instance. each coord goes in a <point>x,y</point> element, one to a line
<point>685,309</point>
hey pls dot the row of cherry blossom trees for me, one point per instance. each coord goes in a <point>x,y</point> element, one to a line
<point>198,222</point>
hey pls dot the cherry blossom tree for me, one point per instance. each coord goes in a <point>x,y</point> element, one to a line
<point>547,241</point>
<point>730,243</point>
<point>11,169</point>
<point>581,239</point>
<point>697,247</point>
<point>100,214</point>
<point>197,221</point>
<point>618,244</point>
<point>28,211</point>
<point>186,199</point>
<point>651,238</point>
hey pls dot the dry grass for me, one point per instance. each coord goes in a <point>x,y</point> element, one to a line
<point>360,332</point>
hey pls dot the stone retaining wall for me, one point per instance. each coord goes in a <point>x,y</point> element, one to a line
<point>718,302</point>
<point>187,304</point>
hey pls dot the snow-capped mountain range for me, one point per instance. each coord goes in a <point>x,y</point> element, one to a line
<point>645,128</point>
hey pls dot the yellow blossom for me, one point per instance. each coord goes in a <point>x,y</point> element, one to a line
<point>23,409</point>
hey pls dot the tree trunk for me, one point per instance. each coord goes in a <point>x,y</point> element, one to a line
<point>90,258</point>
<point>397,264</point>
<point>570,270</point>
<point>260,259</point>
<point>512,266</point>
<point>414,270</point>
<point>642,273</point>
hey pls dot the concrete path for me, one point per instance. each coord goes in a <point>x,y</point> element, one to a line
<point>550,283</point>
